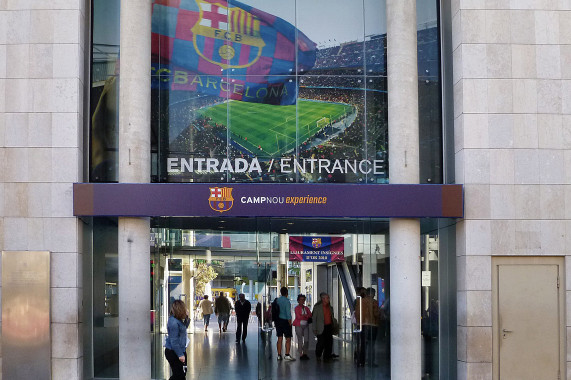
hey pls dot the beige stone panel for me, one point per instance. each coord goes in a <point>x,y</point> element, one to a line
<point>461,272</point>
<point>39,199</point>
<point>18,27</point>
<point>64,270</point>
<point>16,164</point>
<point>566,131</point>
<point>566,96</point>
<point>502,201</point>
<point>475,131</point>
<point>18,61</point>
<point>69,369</point>
<point>65,305</point>
<point>477,166</point>
<point>16,129</point>
<point>479,308</point>
<point>16,199</point>
<point>35,4</point>
<point>503,237</point>
<point>525,95</point>
<point>3,28</point>
<point>500,130</point>
<point>552,201</point>
<point>523,61</point>
<point>473,23</point>
<point>565,52</point>
<point>499,61</point>
<point>564,5</point>
<point>479,371</point>
<point>497,26</point>
<point>42,25</point>
<point>568,307</point>
<point>478,273</point>
<point>40,165</point>
<point>459,167</point>
<point>473,61</point>
<point>37,235</point>
<point>526,166</point>
<point>456,30</point>
<point>497,4</point>
<point>457,73</point>
<point>61,234</point>
<point>458,89</point>
<point>71,171</point>
<point>2,130</point>
<point>547,27</point>
<point>66,341</point>
<point>462,370</point>
<point>66,61</point>
<point>2,210</point>
<point>501,166</point>
<point>551,166</point>
<point>478,237</point>
<point>3,247</point>
<point>56,95</point>
<point>564,28</point>
<point>522,27</point>
<point>18,95</point>
<point>61,200</point>
<point>66,28</point>
<point>523,4</point>
<point>479,344</point>
<point>461,312</point>
<point>527,237</point>
<point>550,131</point>
<point>549,96</point>
<point>2,95</point>
<point>15,234</point>
<point>461,238</point>
<point>526,204</point>
<point>40,127</point>
<point>66,130</point>
<point>41,60</point>
<point>462,348</point>
<point>568,278</point>
<point>459,133</point>
<point>500,96</point>
<point>553,237</point>
<point>548,61</point>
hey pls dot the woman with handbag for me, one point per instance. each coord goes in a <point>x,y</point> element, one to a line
<point>301,323</point>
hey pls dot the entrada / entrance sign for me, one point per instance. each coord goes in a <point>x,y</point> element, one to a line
<point>316,248</point>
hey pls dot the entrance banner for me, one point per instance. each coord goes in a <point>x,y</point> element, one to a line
<point>267,200</point>
<point>316,248</point>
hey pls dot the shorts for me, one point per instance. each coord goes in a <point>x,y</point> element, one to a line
<point>283,328</point>
<point>222,317</point>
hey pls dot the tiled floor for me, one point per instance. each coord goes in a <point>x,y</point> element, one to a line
<point>217,356</point>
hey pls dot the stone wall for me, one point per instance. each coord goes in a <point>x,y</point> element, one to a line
<point>42,87</point>
<point>512,110</point>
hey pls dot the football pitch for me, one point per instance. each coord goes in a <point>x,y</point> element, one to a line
<point>273,128</point>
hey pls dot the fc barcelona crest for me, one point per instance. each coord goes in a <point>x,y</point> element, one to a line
<point>227,36</point>
<point>221,198</point>
<point>316,242</point>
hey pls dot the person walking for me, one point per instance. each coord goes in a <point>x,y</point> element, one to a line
<point>367,315</point>
<point>175,342</point>
<point>301,323</point>
<point>205,307</point>
<point>222,308</point>
<point>323,327</point>
<point>283,324</point>
<point>243,309</point>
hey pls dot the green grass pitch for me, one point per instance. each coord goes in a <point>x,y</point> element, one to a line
<point>273,127</point>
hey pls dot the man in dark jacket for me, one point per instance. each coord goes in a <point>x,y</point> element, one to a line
<point>243,309</point>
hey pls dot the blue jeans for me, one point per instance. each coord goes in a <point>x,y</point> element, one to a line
<point>206,319</point>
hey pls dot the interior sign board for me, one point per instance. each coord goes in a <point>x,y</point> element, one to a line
<point>316,248</point>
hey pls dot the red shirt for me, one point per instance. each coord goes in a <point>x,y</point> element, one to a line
<point>326,315</point>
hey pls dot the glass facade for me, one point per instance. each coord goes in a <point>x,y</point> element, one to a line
<point>278,91</point>
<point>266,91</point>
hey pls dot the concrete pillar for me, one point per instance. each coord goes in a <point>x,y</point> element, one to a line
<point>134,167</point>
<point>406,360</point>
<point>251,289</point>
<point>282,266</point>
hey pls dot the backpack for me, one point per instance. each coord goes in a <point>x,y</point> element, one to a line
<point>275,311</point>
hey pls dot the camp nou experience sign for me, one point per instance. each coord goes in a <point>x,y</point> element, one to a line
<point>267,200</point>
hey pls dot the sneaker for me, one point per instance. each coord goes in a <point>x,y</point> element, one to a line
<point>304,357</point>
<point>279,357</point>
<point>289,358</point>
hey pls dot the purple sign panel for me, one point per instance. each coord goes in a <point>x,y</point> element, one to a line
<point>286,200</point>
<point>316,248</point>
